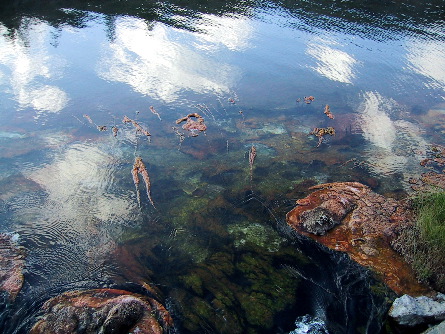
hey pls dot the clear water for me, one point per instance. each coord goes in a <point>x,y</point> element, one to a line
<point>216,244</point>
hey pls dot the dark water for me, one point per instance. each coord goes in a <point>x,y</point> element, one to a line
<point>216,244</point>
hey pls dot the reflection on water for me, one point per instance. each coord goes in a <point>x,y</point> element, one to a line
<point>378,128</point>
<point>86,173</point>
<point>29,67</point>
<point>333,63</point>
<point>217,244</point>
<point>393,141</point>
<point>152,61</point>
<point>427,59</point>
<point>233,32</point>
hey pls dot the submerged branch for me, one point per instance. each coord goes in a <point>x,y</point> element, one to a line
<point>136,125</point>
<point>139,168</point>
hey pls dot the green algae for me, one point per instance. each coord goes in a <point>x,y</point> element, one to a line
<point>257,309</point>
<point>256,234</point>
<point>271,290</point>
<point>194,282</point>
<point>245,291</point>
<point>182,210</point>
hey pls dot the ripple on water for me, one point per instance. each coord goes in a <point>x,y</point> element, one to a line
<point>66,215</point>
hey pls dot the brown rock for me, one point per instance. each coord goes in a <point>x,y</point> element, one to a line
<point>103,311</point>
<point>350,217</point>
<point>11,266</point>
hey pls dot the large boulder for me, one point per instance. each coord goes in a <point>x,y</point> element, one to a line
<point>350,217</point>
<point>103,311</point>
<point>11,265</point>
<point>413,311</point>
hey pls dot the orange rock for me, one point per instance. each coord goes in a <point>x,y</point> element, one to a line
<point>103,311</point>
<point>349,217</point>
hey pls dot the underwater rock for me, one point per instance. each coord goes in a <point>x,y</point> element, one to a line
<point>103,311</point>
<point>11,265</point>
<point>350,217</point>
<point>412,311</point>
<point>262,236</point>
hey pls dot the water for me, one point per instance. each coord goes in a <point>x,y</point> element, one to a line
<point>216,244</point>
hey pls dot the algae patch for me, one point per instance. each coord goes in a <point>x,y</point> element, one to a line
<point>256,234</point>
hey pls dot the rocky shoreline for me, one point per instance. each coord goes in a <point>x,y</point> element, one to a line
<point>350,217</point>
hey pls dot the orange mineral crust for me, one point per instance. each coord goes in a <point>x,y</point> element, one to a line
<point>350,217</point>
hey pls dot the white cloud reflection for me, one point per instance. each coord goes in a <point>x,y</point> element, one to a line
<point>232,32</point>
<point>428,59</point>
<point>392,142</point>
<point>377,126</point>
<point>332,62</point>
<point>75,224</point>
<point>155,63</point>
<point>30,66</point>
<point>78,182</point>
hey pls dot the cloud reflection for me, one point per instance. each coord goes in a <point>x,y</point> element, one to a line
<point>79,216</point>
<point>232,32</point>
<point>79,182</point>
<point>332,63</point>
<point>30,65</point>
<point>155,63</point>
<point>392,142</point>
<point>377,126</point>
<point>428,59</point>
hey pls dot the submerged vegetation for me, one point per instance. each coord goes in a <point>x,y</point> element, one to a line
<point>423,245</point>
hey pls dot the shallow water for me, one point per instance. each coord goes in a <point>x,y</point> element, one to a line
<point>216,243</point>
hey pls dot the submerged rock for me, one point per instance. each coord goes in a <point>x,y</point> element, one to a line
<point>257,234</point>
<point>413,311</point>
<point>350,217</point>
<point>11,265</point>
<point>103,311</point>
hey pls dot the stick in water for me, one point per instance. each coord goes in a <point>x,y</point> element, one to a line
<point>153,110</point>
<point>252,155</point>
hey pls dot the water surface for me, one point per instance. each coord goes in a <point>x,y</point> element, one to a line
<point>216,244</point>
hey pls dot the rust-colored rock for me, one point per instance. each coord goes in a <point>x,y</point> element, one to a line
<point>428,181</point>
<point>11,265</point>
<point>103,311</point>
<point>350,217</point>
